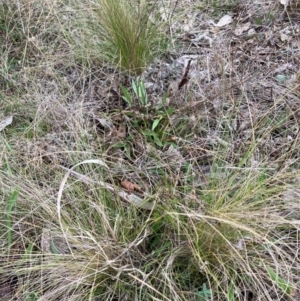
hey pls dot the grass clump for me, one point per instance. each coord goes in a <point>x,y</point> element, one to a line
<point>129,37</point>
<point>220,242</point>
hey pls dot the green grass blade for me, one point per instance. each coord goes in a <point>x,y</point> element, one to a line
<point>54,249</point>
<point>280,282</point>
<point>10,205</point>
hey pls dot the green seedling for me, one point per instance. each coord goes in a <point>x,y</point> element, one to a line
<point>140,93</point>
<point>32,297</point>
<point>205,294</point>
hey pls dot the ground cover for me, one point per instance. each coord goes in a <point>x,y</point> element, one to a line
<point>174,176</point>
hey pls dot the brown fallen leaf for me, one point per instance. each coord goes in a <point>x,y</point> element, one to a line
<point>130,187</point>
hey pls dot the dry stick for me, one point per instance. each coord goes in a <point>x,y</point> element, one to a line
<point>185,77</point>
<point>176,3</point>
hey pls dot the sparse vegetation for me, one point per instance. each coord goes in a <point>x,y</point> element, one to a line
<point>129,172</point>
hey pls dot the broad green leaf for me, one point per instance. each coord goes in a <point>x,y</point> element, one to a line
<point>126,95</point>
<point>134,87</point>
<point>155,123</point>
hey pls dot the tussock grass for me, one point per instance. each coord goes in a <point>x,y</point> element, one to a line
<point>125,34</point>
<point>229,236</point>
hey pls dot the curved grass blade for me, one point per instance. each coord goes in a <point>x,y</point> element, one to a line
<point>11,202</point>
